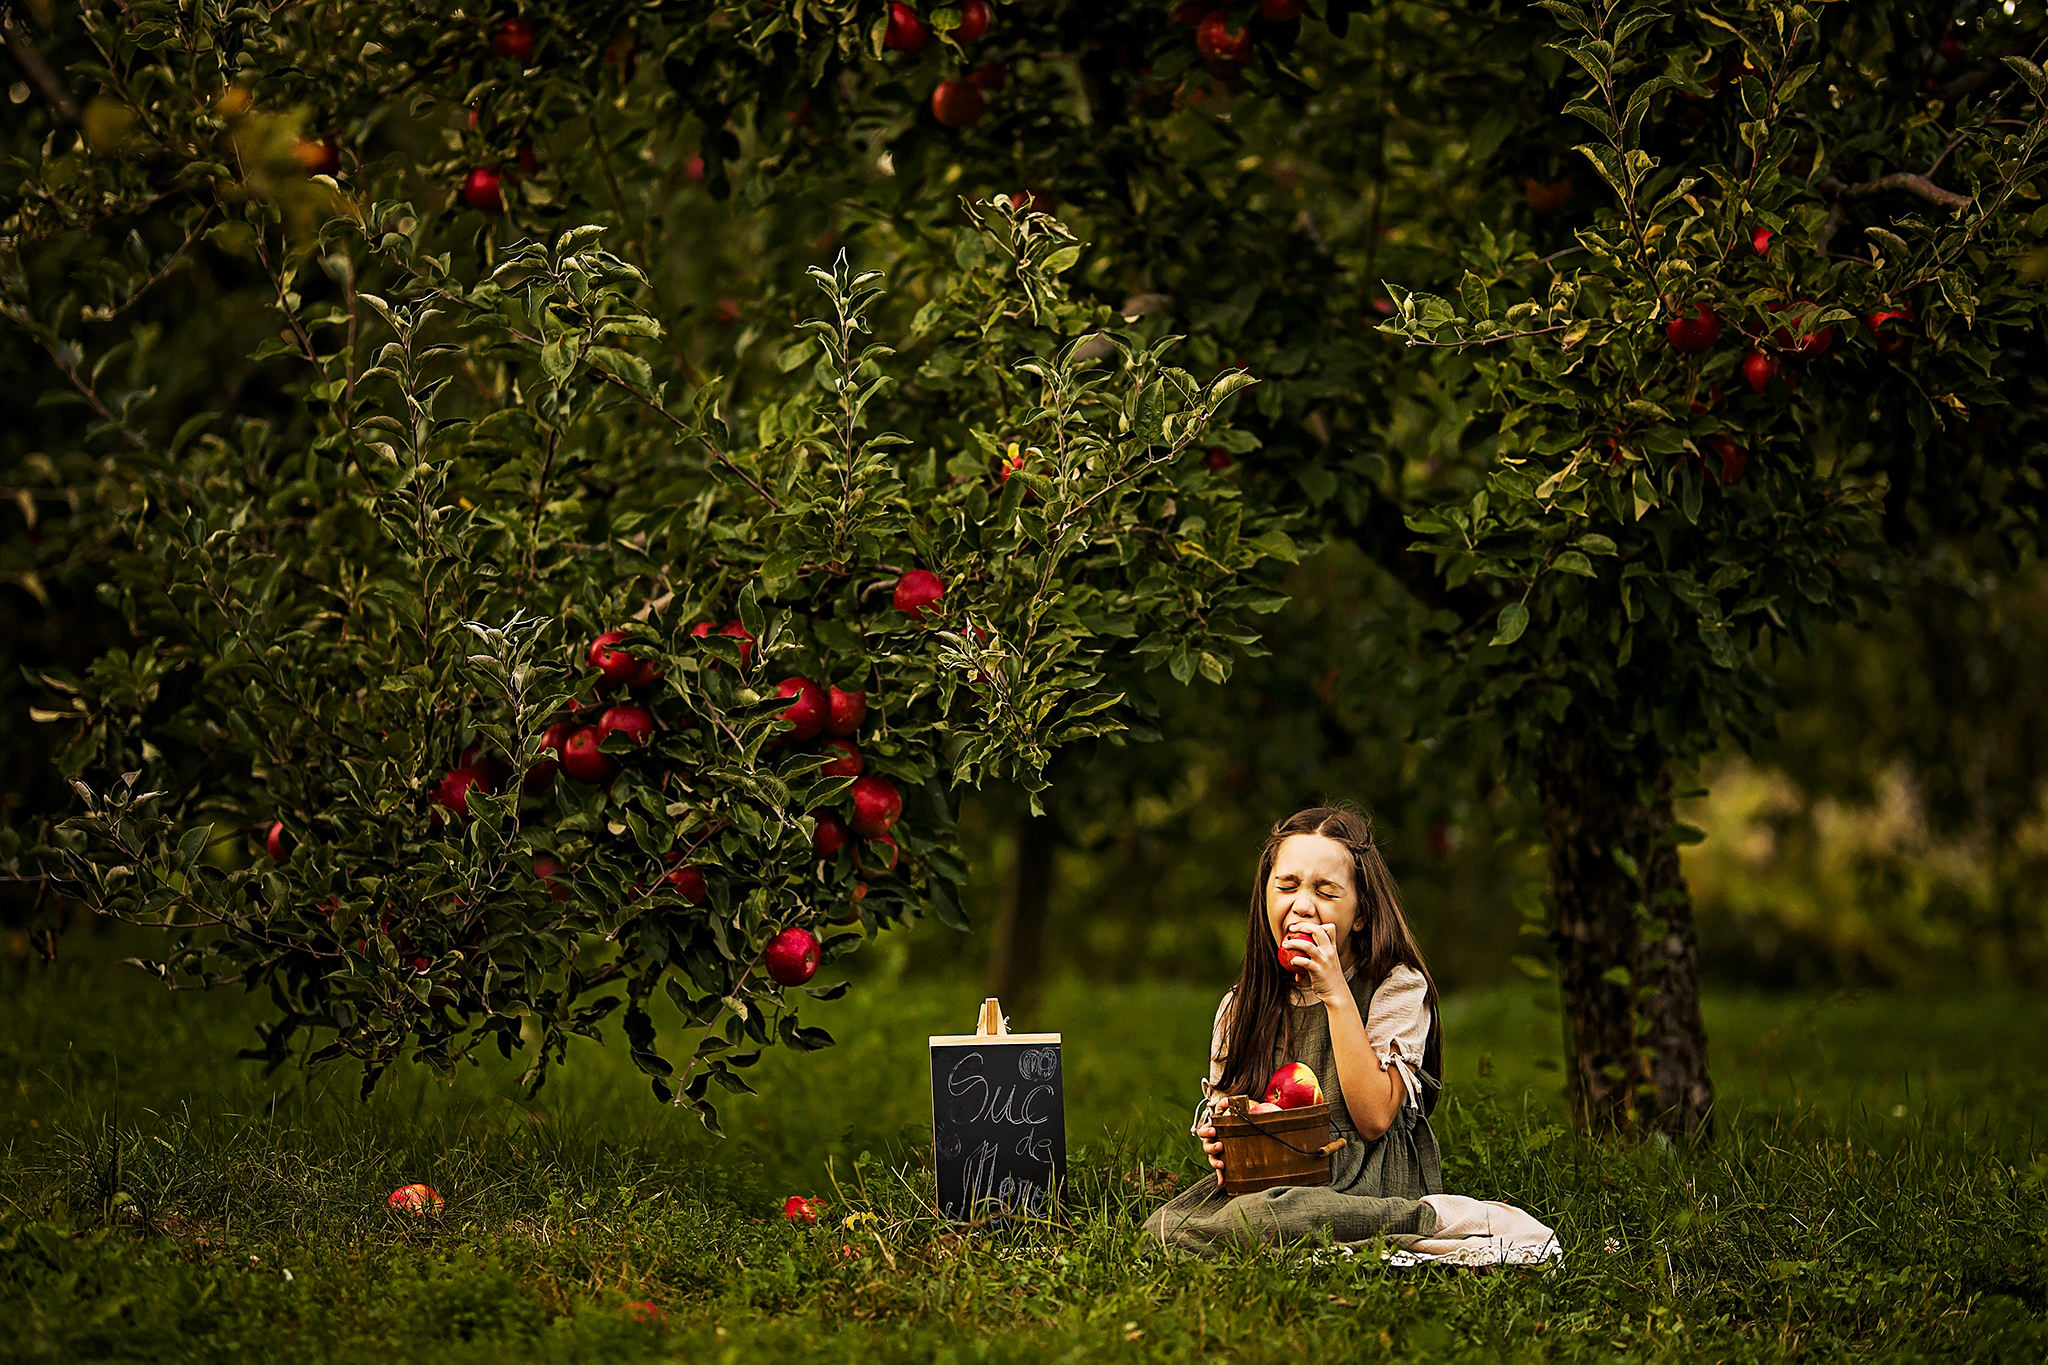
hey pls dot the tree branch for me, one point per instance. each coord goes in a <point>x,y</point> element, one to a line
<point>34,69</point>
<point>1902,180</point>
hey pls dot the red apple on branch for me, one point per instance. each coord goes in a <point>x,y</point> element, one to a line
<point>1694,331</point>
<point>974,21</point>
<point>514,39</point>
<point>319,156</point>
<point>1219,42</point>
<point>1760,240</point>
<point>583,760</point>
<point>879,854</point>
<point>957,103</point>
<point>686,879</point>
<point>634,722</point>
<point>876,805</point>
<point>1760,369</point>
<point>548,870</point>
<point>792,957</point>
<point>451,793</point>
<point>848,764</point>
<point>1815,342</point>
<point>734,629</point>
<point>906,32</point>
<point>829,835</point>
<point>273,841</point>
<point>805,715</point>
<point>847,711</point>
<point>541,775</point>
<point>916,591</point>
<point>480,190</point>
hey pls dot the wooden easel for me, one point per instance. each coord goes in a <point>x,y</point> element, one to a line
<point>991,1024</point>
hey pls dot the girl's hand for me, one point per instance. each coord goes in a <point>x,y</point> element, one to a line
<point>1318,959</point>
<point>1212,1147</point>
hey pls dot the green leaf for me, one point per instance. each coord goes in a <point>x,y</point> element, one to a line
<point>558,358</point>
<point>1514,619</point>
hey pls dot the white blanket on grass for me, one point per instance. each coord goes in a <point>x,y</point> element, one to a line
<point>1480,1232</point>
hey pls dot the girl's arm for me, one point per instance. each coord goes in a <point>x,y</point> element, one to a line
<point>1372,1093</point>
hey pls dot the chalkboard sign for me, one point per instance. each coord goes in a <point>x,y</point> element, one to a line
<point>999,1123</point>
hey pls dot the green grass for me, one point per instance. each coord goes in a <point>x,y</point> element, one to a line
<point>1875,1189</point>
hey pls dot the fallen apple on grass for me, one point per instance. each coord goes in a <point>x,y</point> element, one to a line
<point>1294,1086</point>
<point>801,1211</point>
<point>415,1199</point>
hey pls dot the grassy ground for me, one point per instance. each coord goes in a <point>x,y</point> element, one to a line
<point>1875,1188</point>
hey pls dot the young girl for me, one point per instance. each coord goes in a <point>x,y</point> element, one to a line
<point>1359,1010</point>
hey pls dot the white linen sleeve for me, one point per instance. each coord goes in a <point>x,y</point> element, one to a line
<point>1217,1032</point>
<point>1397,1026</point>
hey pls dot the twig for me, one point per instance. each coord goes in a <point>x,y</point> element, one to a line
<point>34,69</point>
<point>1901,180</point>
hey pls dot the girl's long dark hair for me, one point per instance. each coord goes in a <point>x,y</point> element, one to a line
<point>1256,1021</point>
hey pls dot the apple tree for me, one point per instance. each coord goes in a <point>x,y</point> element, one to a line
<point>548,672</point>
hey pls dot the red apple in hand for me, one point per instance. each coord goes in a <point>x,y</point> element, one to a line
<point>1693,331</point>
<point>805,715</point>
<point>792,956</point>
<point>917,590</point>
<point>848,710</point>
<point>876,805</point>
<point>584,761</point>
<point>1294,1086</point>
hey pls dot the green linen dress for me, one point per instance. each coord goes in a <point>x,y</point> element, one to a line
<point>1376,1186</point>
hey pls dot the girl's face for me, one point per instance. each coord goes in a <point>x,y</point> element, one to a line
<point>1311,883</point>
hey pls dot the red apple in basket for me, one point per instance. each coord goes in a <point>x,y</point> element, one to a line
<point>1294,1086</point>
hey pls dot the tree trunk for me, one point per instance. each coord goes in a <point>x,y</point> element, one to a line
<point>1674,1037</point>
<point>1019,966</point>
<point>1627,958</point>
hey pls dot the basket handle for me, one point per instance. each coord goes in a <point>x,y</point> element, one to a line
<point>1241,1107</point>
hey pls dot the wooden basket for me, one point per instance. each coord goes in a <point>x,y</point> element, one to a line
<point>1262,1151</point>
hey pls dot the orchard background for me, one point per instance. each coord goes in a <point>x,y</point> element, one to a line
<point>512,509</point>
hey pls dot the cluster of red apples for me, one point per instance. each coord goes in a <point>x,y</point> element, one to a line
<point>957,100</point>
<point>1696,329</point>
